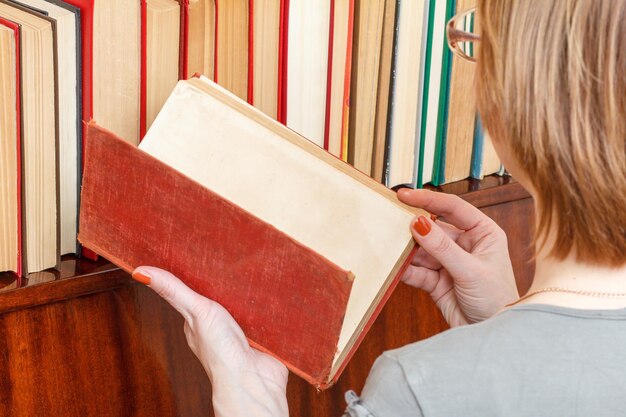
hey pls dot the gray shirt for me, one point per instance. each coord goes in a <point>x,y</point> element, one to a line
<point>530,360</point>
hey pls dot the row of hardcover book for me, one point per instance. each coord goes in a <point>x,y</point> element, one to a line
<point>369,81</point>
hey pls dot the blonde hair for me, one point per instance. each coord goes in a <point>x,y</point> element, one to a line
<point>551,88</point>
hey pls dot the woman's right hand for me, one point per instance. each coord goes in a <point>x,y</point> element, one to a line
<point>463,262</point>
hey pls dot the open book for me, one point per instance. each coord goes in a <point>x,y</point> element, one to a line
<point>301,248</point>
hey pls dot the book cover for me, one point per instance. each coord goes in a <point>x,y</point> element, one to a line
<point>41,218</point>
<point>79,103</point>
<point>17,147</point>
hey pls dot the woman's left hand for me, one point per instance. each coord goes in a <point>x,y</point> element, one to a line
<point>244,381</point>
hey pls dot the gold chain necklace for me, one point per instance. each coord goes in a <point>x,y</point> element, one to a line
<point>571,291</point>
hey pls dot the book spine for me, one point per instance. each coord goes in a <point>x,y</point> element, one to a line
<point>427,63</point>
<point>329,72</point>
<point>251,52</point>
<point>183,53</point>
<point>20,261</point>
<point>391,108</point>
<point>283,44</point>
<point>476,169</point>
<point>216,46</point>
<point>444,100</point>
<point>345,123</point>
<point>143,84</point>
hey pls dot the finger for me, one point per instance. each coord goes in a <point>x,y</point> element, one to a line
<point>455,210</point>
<point>172,290</point>
<point>423,258</point>
<point>451,230</point>
<point>440,246</point>
<point>432,282</point>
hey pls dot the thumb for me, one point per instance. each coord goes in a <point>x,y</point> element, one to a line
<point>436,242</point>
<point>171,289</point>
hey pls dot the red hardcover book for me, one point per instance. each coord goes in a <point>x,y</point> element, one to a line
<point>184,40</point>
<point>18,141</point>
<point>303,253</point>
<point>143,87</point>
<point>283,44</point>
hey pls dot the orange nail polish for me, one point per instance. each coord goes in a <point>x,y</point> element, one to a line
<point>421,226</point>
<point>139,277</point>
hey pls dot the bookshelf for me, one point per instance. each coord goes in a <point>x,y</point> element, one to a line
<point>88,341</point>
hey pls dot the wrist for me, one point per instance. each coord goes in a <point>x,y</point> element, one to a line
<point>238,393</point>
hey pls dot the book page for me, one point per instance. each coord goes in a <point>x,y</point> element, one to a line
<point>302,195</point>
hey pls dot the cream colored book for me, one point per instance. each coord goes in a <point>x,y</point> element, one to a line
<point>68,113</point>
<point>232,46</point>
<point>461,114</point>
<point>265,52</point>
<point>307,67</point>
<point>384,85</point>
<point>38,139</point>
<point>201,37</point>
<point>117,66</point>
<point>406,105</point>
<point>162,39</point>
<point>365,66</point>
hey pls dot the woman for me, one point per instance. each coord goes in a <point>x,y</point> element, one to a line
<point>551,87</point>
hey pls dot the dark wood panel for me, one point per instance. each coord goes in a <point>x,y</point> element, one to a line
<point>518,221</point>
<point>115,353</point>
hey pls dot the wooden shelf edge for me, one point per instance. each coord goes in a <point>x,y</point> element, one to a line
<point>53,291</point>
<point>491,190</point>
<point>503,194</point>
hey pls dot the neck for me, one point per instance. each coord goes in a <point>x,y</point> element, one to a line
<point>569,273</point>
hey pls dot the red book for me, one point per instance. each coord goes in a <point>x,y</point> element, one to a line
<point>303,253</point>
<point>339,76</point>
<point>17,144</point>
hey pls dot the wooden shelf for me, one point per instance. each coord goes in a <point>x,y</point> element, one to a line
<point>75,278</point>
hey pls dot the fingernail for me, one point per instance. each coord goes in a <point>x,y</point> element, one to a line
<point>421,226</point>
<point>140,277</point>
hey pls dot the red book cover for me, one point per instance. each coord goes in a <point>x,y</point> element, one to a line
<point>183,63</point>
<point>283,43</point>
<point>18,141</point>
<point>143,94</point>
<point>292,309</point>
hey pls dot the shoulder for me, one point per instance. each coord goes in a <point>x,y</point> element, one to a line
<point>443,368</point>
<point>393,385</point>
<point>522,358</point>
